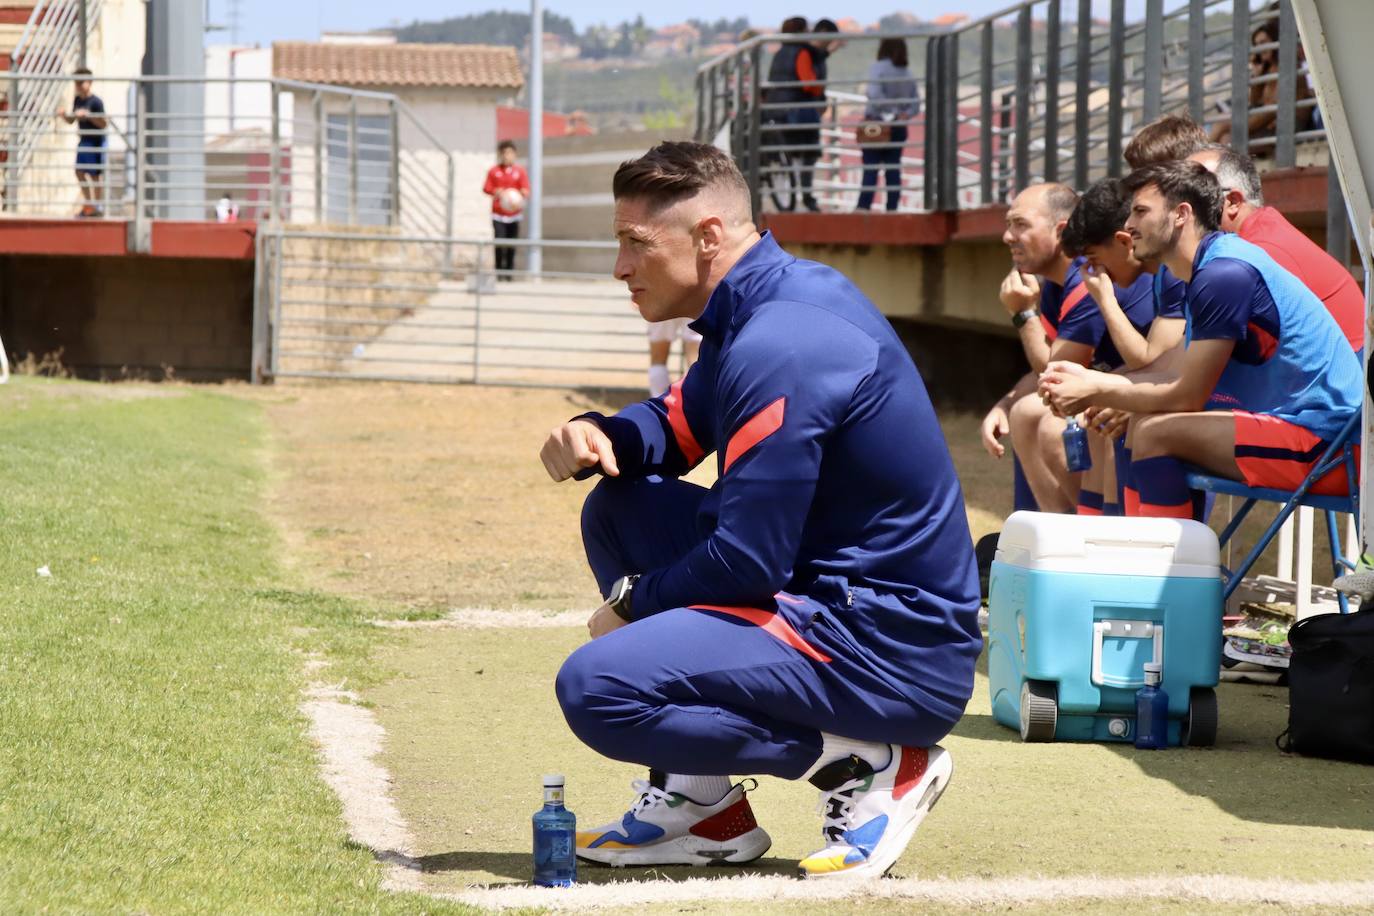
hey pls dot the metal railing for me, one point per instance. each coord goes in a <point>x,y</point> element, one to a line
<point>52,44</point>
<point>274,151</point>
<point>1041,91</point>
<point>342,305</point>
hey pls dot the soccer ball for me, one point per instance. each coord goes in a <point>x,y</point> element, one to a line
<point>512,200</point>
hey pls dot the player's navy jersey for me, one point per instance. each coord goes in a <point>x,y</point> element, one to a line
<point>834,478</point>
<point>1170,294</point>
<point>1069,313</point>
<point>88,132</point>
<point>1291,359</point>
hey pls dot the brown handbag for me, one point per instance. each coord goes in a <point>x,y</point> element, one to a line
<point>873,132</point>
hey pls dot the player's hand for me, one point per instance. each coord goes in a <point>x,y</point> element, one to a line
<point>995,425</point>
<point>576,445</point>
<point>62,113</point>
<point>604,620</point>
<point>1108,422</point>
<point>81,113</point>
<point>1099,286</point>
<point>1067,388</point>
<point>1019,292</point>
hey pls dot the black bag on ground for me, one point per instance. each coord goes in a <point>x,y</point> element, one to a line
<point>1331,687</point>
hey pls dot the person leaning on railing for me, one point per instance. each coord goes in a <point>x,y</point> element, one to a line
<point>893,100</point>
<point>803,63</point>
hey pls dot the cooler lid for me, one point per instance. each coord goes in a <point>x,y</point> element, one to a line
<point>1108,545</point>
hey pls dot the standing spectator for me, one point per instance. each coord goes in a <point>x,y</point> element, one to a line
<point>802,65</point>
<point>88,111</point>
<point>892,101</point>
<point>509,187</point>
<point>226,210</point>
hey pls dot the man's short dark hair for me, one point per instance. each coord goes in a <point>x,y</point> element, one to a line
<point>1163,140</point>
<point>1100,214</point>
<point>825,25</point>
<point>1181,182</point>
<point>793,25</point>
<point>676,170</point>
<point>1237,170</point>
<point>505,145</point>
<point>82,71</point>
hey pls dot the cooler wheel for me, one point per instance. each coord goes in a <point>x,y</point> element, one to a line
<point>1039,711</point>
<point>1200,728</point>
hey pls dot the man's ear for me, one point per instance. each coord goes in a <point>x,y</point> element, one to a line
<point>1182,212</point>
<point>1123,238</point>
<point>710,236</point>
<point>1059,229</point>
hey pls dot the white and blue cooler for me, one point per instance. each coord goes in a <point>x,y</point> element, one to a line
<point>1078,604</point>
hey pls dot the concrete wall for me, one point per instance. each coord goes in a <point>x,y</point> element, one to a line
<point>130,316</point>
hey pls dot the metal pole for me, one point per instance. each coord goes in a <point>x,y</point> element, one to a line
<point>1337,220</point>
<point>949,111</point>
<point>535,259</point>
<point>1052,91</point>
<point>985,116</point>
<point>257,362</point>
<point>477,319</point>
<point>1285,147</point>
<point>274,180</point>
<point>1154,58</point>
<point>934,102</point>
<point>1082,93</point>
<point>1023,97</point>
<point>1116,81</point>
<point>1197,50</point>
<point>142,237</point>
<point>700,132</point>
<point>395,189</point>
<point>273,354</point>
<point>756,93</point>
<point>85,23</point>
<point>318,107</point>
<point>1240,76</point>
<point>448,215</point>
<point>353,160</point>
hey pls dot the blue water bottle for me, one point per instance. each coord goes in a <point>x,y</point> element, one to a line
<point>555,838</point>
<point>1076,454</point>
<point>1152,711</point>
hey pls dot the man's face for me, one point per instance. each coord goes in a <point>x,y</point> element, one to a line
<point>1232,199</point>
<point>1032,236</point>
<point>506,156</point>
<point>658,260</point>
<point>1151,224</point>
<point>83,88</point>
<point>1114,258</point>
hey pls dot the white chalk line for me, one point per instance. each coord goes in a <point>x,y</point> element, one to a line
<point>474,618</point>
<point>350,738</point>
<point>967,892</point>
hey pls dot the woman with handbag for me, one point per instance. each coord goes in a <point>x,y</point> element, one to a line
<point>892,102</point>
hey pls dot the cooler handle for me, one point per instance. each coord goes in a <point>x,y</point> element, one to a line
<point>1128,629</point>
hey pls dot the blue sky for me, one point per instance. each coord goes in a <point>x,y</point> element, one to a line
<point>262,21</point>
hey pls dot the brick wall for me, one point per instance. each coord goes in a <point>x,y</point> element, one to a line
<point>117,316</point>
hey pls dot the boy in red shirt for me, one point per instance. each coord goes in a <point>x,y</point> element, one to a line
<point>509,187</point>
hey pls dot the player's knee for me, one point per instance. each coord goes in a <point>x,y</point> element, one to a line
<point>585,694</point>
<point>1149,436</point>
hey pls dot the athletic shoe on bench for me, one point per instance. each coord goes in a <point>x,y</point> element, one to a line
<point>871,816</point>
<point>668,828</point>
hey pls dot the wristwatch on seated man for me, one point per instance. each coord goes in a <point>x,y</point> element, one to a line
<point>619,598</point>
<point>1023,316</point>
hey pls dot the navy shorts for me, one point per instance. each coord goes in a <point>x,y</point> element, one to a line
<point>90,160</point>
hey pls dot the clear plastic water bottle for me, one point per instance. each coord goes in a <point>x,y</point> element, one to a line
<point>555,838</point>
<point>1076,453</point>
<point>1152,711</point>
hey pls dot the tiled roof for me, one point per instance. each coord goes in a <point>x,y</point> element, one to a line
<point>468,66</point>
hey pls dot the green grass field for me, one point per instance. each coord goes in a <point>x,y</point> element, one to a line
<point>152,755</point>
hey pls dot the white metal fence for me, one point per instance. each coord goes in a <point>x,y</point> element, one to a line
<point>349,305</point>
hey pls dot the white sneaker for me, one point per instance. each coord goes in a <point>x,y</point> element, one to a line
<point>870,817</point>
<point>667,828</point>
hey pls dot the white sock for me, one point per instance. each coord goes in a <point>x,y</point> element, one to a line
<point>704,790</point>
<point>833,748</point>
<point>658,380</point>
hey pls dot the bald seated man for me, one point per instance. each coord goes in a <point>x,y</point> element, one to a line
<point>812,615</point>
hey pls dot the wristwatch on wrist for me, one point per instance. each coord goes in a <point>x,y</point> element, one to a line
<point>1021,317</point>
<point>619,598</point>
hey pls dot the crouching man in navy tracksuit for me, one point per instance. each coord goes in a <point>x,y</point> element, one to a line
<point>810,616</point>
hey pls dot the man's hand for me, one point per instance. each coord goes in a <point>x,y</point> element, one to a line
<point>1019,292</point>
<point>1099,285</point>
<point>576,445</point>
<point>1067,388</point>
<point>995,425</point>
<point>603,621</point>
<point>1107,422</point>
